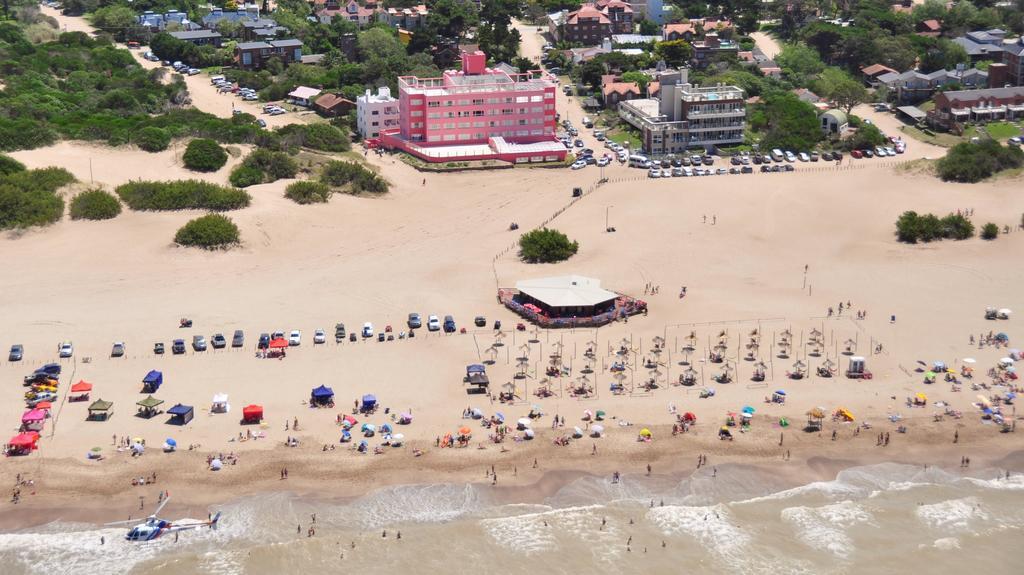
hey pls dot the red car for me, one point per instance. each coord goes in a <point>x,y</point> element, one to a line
<point>857,154</point>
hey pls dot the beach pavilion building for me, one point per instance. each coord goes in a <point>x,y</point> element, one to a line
<point>568,301</point>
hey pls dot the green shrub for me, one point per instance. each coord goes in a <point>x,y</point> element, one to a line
<point>45,179</point>
<point>970,162</point>
<point>21,208</point>
<point>95,205</point>
<point>153,139</point>
<point>204,155</point>
<point>307,192</point>
<point>912,227</point>
<point>211,231</point>
<point>9,165</point>
<point>545,246</point>
<point>244,176</point>
<point>989,231</point>
<point>352,177</point>
<point>323,137</point>
<point>181,195</point>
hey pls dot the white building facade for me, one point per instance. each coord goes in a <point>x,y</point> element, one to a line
<point>376,112</point>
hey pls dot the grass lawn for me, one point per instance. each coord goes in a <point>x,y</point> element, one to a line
<point>623,137</point>
<point>1002,130</point>
<point>937,138</point>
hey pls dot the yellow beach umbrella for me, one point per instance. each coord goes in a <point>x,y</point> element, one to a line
<point>645,432</point>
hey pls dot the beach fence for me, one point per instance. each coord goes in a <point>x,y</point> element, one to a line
<point>826,167</point>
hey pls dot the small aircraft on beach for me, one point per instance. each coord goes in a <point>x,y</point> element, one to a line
<point>155,527</point>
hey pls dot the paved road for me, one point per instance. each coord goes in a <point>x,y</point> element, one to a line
<point>769,47</point>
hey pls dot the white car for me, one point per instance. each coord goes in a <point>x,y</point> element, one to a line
<point>578,165</point>
<point>66,349</point>
<point>889,150</point>
<point>804,157</point>
<point>367,329</point>
<point>319,337</point>
<point>433,324</point>
<point>295,337</point>
<point>790,157</point>
<point>654,173</point>
<point>623,156</point>
<point>603,161</point>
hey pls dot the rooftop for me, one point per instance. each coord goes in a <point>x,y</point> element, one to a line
<point>566,291</point>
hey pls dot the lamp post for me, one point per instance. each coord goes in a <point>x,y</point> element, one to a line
<point>606,217</point>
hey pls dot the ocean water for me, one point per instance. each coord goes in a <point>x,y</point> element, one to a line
<point>885,518</point>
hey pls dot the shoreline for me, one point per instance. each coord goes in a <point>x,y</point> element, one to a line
<point>519,482</point>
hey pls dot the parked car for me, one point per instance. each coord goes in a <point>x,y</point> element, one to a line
<point>579,165</point>
<point>804,157</point>
<point>198,343</point>
<point>868,154</point>
<point>277,335</point>
<point>264,341</point>
<point>433,324</point>
<point>603,161</point>
<point>790,157</point>
<point>826,156</point>
<point>414,321</point>
<point>857,154</point>
<point>654,173</point>
<point>708,160</point>
<point>747,170</point>
<point>449,324</point>
<point>261,123</point>
<point>480,321</point>
<point>837,156</point>
<point>117,350</point>
<point>339,332</point>
<point>352,336</point>
<point>178,346</point>
<point>218,341</point>
<point>158,348</point>
<point>17,352</point>
<point>814,156</point>
<point>66,349</point>
<point>381,336</point>
<point>295,337</point>
<point>319,337</point>
<point>238,339</point>
<point>367,329</point>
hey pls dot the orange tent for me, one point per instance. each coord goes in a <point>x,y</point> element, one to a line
<point>279,343</point>
<point>81,387</point>
<point>465,431</point>
<point>44,405</point>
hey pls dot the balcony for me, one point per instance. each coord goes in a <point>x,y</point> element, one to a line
<point>735,112</point>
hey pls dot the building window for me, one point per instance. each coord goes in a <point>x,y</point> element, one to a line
<point>432,104</point>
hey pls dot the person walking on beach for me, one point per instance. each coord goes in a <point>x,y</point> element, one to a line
<point>648,470</point>
<point>956,436</point>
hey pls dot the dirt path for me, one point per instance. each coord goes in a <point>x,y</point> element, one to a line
<point>767,44</point>
<point>204,95</point>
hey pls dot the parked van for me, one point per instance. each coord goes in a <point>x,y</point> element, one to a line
<point>777,155</point>
<point>215,79</point>
<point>638,161</point>
<point>587,122</point>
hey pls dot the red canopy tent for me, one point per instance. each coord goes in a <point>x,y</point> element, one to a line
<point>23,443</point>
<point>81,391</point>
<point>279,343</point>
<point>252,414</point>
<point>44,405</point>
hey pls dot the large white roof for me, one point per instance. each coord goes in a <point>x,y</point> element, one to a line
<point>566,291</point>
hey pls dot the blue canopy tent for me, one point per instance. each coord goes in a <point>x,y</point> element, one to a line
<point>181,414</point>
<point>476,375</point>
<point>322,395</point>
<point>369,403</point>
<point>152,382</point>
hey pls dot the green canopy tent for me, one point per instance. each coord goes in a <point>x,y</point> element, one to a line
<point>149,407</point>
<point>101,410</point>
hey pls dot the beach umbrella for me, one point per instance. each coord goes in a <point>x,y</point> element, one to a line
<point>406,417</point>
<point>587,414</point>
<point>96,449</point>
<point>500,417</point>
<point>600,414</point>
<point>465,431</point>
<point>368,427</point>
<point>170,441</point>
<point>816,413</point>
<point>1006,361</point>
<point>529,433</point>
<point>780,392</point>
<point>929,374</point>
<point>216,465</point>
<point>1005,312</point>
<point>397,439</point>
<point>596,430</point>
<point>137,447</point>
<point>984,400</point>
<point>348,419</point>
<point>645,432</point>
<point>748,409</point>
<point>577,432</point>
<point>970,360</point>
<point>386,428</point>
<point>346,436</point>
<point>1002,336</point>
<point>746,415</point>
<point>524,422</point>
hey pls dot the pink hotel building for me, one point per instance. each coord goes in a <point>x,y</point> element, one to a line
<point>477,113</point>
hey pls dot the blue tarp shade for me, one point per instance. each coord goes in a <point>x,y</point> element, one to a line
<point>153,380</point>
<point>323,392</point>
<point>369,400</point>
<point>181,414</point>
<point>475,368</point>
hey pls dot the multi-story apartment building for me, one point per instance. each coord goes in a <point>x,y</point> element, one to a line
<point>254,55</point>
<point>404,18</point>
<point>477,112</point>
<point>1013,57</point>
<point>686,116</point>
<point>594,22</point>
<point>376,112</point>
<point>964,106</point>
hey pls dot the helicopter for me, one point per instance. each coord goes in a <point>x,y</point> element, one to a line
<point>154,527</point>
